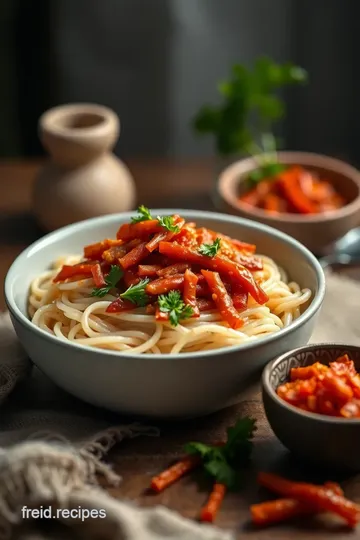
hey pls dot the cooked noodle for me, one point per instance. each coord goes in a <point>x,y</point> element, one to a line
<point>68,311</point>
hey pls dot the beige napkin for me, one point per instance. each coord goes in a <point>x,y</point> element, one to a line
<point>50,458</point>
<point>59,470</point>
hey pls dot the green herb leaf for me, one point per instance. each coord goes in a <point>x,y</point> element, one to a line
<point>250,105</point>
<point>111,281</point>
<point>173,304</point>
<point>207,120</point>
<point>223,463</point>
<point>210,250</point>
<point>136,293</point>
<point>168,223</point>
<point>270,107</point>
<point>143,215</point>
<point>265,172</point>
<point>223,472</point>
<point>204,450</point>
<point>239,440</point>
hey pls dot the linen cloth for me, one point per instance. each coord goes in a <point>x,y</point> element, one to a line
<point>51,456</point>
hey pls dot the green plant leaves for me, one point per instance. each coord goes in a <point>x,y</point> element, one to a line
<point>250,104</point>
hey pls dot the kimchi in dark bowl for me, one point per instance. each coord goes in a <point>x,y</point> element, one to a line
<point>315,199</point>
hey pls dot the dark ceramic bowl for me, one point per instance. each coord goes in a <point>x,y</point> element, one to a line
<point>323,440</point>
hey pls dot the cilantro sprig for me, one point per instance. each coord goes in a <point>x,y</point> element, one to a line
<point>173,304</point>
<point>210,250</point>
<point>144,214</point>
<point>250,105</point>
<point>244,121</point>
<point>111,281</point>
<point>167,222</point>
<point>265,171</point>
<point>224,463</point>
<point>136,293</point>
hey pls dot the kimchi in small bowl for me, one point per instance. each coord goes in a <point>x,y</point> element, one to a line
<point>311,399</point>
<point>313,198</point>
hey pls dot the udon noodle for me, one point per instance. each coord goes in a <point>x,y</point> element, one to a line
<point>69,310</point>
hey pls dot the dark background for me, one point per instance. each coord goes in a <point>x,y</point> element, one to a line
<point>155,62</point>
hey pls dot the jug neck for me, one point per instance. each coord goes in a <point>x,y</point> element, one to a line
<point>77,134</point>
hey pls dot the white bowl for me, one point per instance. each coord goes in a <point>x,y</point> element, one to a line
<point>189,384</point>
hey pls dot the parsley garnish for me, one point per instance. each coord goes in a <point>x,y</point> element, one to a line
<point>136,293</point>
<point>111,281</point>
<point>210,250</point>
<point>168,223</point>
<point>143,215</point>
<point>172,304</point>
<point>224,462</point>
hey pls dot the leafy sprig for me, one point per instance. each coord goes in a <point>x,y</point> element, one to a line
<point>111,281</point>
<point>167,222</point>
<point>265,156</point>
<point>265,171</point>
<point>173,304</point>
<point>224,463</point>
<point>144,214</point>
<point>136,293</point>
<point>250,105</point>
<point>210,250</point>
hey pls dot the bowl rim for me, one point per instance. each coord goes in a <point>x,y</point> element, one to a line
<point>266,386</point>
<point>288,156</point>
<point>116,219</point>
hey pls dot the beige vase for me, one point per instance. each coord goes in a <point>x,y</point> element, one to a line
<point>82,179</point>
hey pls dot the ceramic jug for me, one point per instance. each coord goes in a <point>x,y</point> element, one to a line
<point>82,178</point>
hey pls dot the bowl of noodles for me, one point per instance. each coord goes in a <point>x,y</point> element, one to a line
<point>163,313</point>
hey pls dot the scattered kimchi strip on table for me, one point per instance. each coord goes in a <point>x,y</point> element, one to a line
<point>173,473</point>
<point>327,498</point>
<point>276,511</point>
<point>279,510</point>
<point>209,511</point>
<point>295,190</point>
<point>302,499</point>
<point>332,390</point>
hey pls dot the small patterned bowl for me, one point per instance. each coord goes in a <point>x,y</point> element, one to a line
<point>323,440</point>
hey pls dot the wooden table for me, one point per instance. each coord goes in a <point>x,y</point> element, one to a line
<point>184,185</point>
